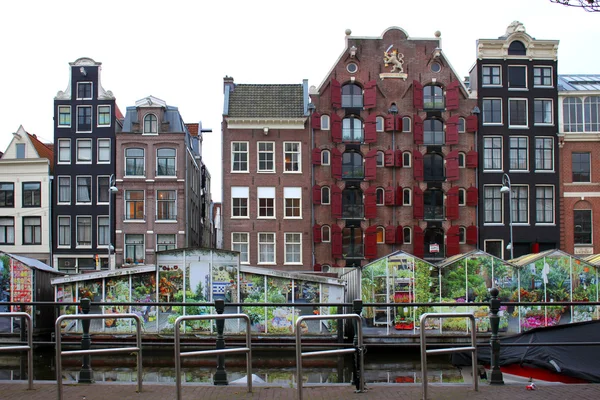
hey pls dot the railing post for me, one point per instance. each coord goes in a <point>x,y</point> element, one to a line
<point>85,373</point>
<point>220,377</point>
<point>496,378</point>
<point>357,306</point>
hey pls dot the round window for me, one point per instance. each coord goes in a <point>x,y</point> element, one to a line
<point>352,68</point>
<point>436,67</point>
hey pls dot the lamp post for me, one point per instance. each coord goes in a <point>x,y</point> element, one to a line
<point>506,188</point>
<point>111,190</point>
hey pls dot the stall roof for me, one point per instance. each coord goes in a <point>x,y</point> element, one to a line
<point>398,253</point>
<point>594,259</point>
<point>103,274</point>
<point>291,275</point>
<point>475,253</point>
<point>530,258</point>
<point>36,264</point>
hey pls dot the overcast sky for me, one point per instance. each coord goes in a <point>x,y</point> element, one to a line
<point>179,51</point>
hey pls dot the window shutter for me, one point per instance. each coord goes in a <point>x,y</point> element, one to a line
<point>452,130</point>
<point>389,196</point>
<point>418,242</point>
<point>316,192</point>
<point>472,159</point>
<point>336,202</point>
<point>535,248</point>
<point>371,242</point>
<point>389,158</point>
<point>371,202</point>
<point>336,128</point>
<point>315,120</point>
<point>370,94</point>
<point>399,196</point>
<point>336,241</point>
<point>452,95</point>
<point>336,163</point>
<point>371,129</point>
<point>417,129</point>
<point>336,94</point>
<point>398,123</point>
<point>398,154</point>
<point>390,234</point>
<point>452,203</point>
<point>389,123</point>
<point>399,234</point>
<point>317,268</point>
<point>452,241</point>
<point>452,166</point>
<point>472,196</point>
<point>472,123</point>
<point>417,166</point>
<point>472,234</point>
<point>417,95</point>
<point>370,165</point>
<point>418,207</point>
<point>316,156</point>
<point>317,233</point>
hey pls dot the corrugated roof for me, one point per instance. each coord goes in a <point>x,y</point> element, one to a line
<point>37,264</point>
<point>579,82</point>
<point>470,254</point>
<point>43,150</point>
<point>530,258</point>
<point>266,101</point>
<point>594,259</point>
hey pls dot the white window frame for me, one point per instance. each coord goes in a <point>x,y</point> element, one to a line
<point>298,154</point>
<point>167,244</point>
<point>125,174</point>
<point>125,244</point>
<point>285,248</point>
<point>382,191</point>
<point>58,232</point>
<point>59,178</point>
<point>514,208</point>
<point>494,123</point>
<point>247,162</point>
<point>125,200</point>
<point>236,245</point>
<point>240,192</point>
<point>462,125</point>
<point>98,191</point>
<point>464,235</point>
<point>292,193</point>
<point>501,169</point>
<point>150,132</point>
<point>64,161</point>
<point>406,124</point>
<point>377,231</point>
<point>91,119</point>
<point>464,192</point>
<point>508,78</point>
<point>591,243</point>
<point>493,223</point>
<point>494,240</point>
<point>104,161</point>
<point>409,241</point>
<point>409,190</point>
<point>58,124</point>
<point>499,67</point>
<point>166,158</point>
<point>551,123</point>
<point>519,99</point>
<point>553,223</point>
<point>551,76</point>
<point>98,245</point>
<point>329,192</point>
<point>323,161</point>
<point>77,158</point>
<point>98,124</point>
<point>551,139</point>
<point>172,201</point>
<point>273,243</point>
<point>325,122</point>
<point>379,124</point>
<point>382,154</point>
<point>258,154</point>
<point>91,90</point>
<point>518,170</point>
<point>409,164</point>
<point>323,229</point>
<point>463,156</point>
<point>77,201</point>
<point>84,246</point>
<point>266,192</point>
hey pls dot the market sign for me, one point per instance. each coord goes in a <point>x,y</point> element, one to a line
<point>434,248</point>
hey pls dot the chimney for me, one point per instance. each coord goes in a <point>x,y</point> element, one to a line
<point>228,83</point>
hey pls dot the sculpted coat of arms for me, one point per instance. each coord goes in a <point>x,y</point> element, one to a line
<point>395,59</point>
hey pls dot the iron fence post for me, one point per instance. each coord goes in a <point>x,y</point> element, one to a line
<point>496,378</point>
<point>85,373</point>
<point>220,377</point>
<point>357,306</point>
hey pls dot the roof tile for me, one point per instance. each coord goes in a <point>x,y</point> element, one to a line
<point>266,101</point>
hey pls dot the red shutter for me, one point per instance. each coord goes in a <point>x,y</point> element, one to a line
<point>336,94</point>
<point>390,196</point>
<point>417,166</point>
<point>316,192</point>
<point>336,202</point>
<point>371,242</point>
<point>317,233</point>
<point>389,123</point>
<point>390,234</point>
<point>399,234</point>
<point>336,241</point>
<point>472,159</point>
<point>316,156</point>
<point>370,94</point>
<point>399,196</point>
<point>336,163</point>
<point>389,158</point>
<point>418,207</point>
<point>371,202</point>
<point>417,129</point>
<point>535,248</point>
<point>417,95</point>
<point>315,120</point>
<point>398,123</point>
<point>472,234</point>
<point>418,242</point>
<point>317,268</point>
<point>371,128</point>
<point>336,128</point>
<point>472,196</point>
<point>452,130</point>
<point>371,165</point>
<point>472,123</point>
<point>452,166</point>
<point>452,241</point>
<point>452,204</point>
<point>398,155</point>
<point>452,95</point>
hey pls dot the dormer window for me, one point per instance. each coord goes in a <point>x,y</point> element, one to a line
<point>352,96</point>
<point>517,48</point>
<point>433,97</point>
<point>150,124</point>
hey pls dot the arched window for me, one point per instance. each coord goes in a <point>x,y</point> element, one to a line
<point>572,115</point>
<point>433,201</point>
<point>406,197</point>
<point>433,167</point>
<point>352,130</point>
<point>352,203</point>
<point>380,159</point>
<point>325,198</point>
<point>379,124</point>
<point>324,122</point>
<point>462,235</point>
<point>462,197</point>
<point>352,242</point>
<point>150,125</point>
<point>406,159</point>
<point>433,132</point>
<point>517,48</point>
<point>380,235</point>
<point>433,97</point>
<point>462,125</point>
<point>325,157</point>
<point>407,233</point>
<point>352,96</point>
<point>406,124</point>
<point>326,234</point>
<point>352,165</point>
<point>380,196</point>
<point>462,157</point>
<point>326,268</point>
<point>591,107</point>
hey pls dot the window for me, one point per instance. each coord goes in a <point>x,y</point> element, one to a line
<point>518,154</point>
<point>582,220</point>
<point>379,124</point>
<point>7,194</point>
<point>517,113</point>
<point>380,235</point>
<point>352,203</point>
<point>591,109</point>
<point>134,248</point>
<point>166,205</point>
<point>494,247</point>
<point>64,231</point>
<point>324,122</point>
<point>433,97</point>
<point>542,112</point>
<point>492,204</point>
<point>84,189</point>
<point>32,230</point>
<point>352,165</point>
<point>84,151</point>
<point>580,164</point>
<point>406,159</point>
<point>380,159</point>
<point>293,248</point>
<point>407,234</point>
<point>20,150</point>
<point>165,242</point>
<point>103,115</point>
<point>352,242</point>
<point>433,132</point>
<point>84,90</point>
<point>64,151</point>
<point>517,77</point>
<point>165,162</point>
<point>491,75</point>
<point>239,202</point>
<point>542,76</point>
<point>240,243</point>
<point>134,204</point>
<point>104,155</point>
<point>572,115</point>
<point>433,167</point>
<point>462,125</point>
<point>352,96</point>
<point>266,202</point>
<point>462,157</point>
<point>520,204</point>
<point>7,230</point>
<point>325,198</point>
<point>325,157</point>
<point>352,130</point>
<point>544,154</point>
<point>64,189</point>
<point>84,118</point>
<point>84,231</point>
<point>325,234</point>
<point>134,162</point>
<point>433,201</point>
<point>293,202</point>
<point>492,153</point>
<point>239,157</point>
<point>32,194</point>
<point>492,111</point>
<point>406,197</point>
<point>103,231</point>
<point>462,235</point>
<point>462,197</point>
<point>406,124</point>
<point>266,248</point>
<point>103,182</point>
<point>380,196</point>
<point>64,116</point>
<point>544,204</point>
<point>150,124</point>
<point>291,157</point>
<point>266,156</point>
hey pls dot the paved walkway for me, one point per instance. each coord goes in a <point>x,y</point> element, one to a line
<point>45,390</point>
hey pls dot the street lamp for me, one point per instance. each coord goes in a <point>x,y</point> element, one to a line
<point>506,188</point>
<point>112,189</point>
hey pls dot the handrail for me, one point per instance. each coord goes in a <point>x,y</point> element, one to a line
<point>472,349</point>
<point>300,355</point>
<point>29,346</point>
<point>60,353</point>
<point>179,354</point>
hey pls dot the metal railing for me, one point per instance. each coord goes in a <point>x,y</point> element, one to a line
<point>60,353</point>
<point>300,355</point>
<point>28,348</point>
<point>179,354</point>
<point>472,349</point>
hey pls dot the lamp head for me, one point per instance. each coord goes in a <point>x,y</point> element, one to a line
<point>504,189</point>
<point>113,189</point>
<point>509,246</point>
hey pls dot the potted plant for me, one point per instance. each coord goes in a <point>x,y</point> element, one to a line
<point>402,322</point>
<point>128,260</point>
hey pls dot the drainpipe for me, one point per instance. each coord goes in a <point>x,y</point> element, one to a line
<point>394,111</point>
<point>311,109</point>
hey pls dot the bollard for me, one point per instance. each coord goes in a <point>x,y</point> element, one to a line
<point>357,306</point>
<point>85,373</point>
<point>496,378</point>
<point>220,377</point>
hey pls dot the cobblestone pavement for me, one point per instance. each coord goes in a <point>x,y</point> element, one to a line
<point>114,391</point>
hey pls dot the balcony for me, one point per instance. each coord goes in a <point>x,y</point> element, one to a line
<point>433,213</point>
<point>353,211</point>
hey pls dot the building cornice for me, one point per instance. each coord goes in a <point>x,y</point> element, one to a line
<point>265,123</point>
